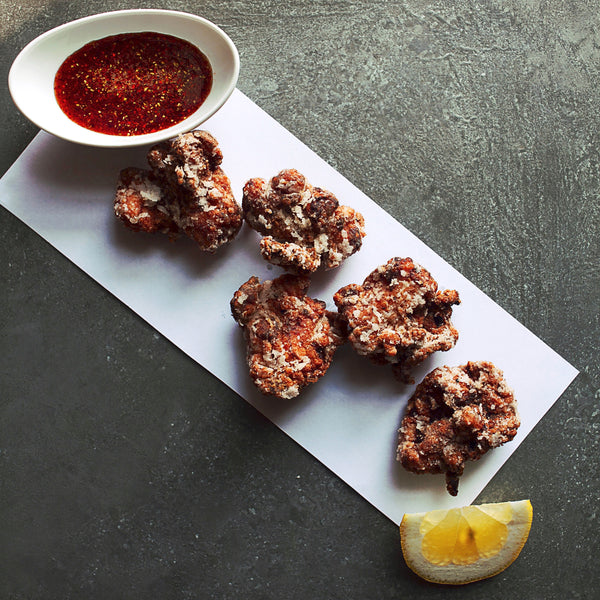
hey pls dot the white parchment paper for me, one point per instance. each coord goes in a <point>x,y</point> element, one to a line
<point>348,420</point>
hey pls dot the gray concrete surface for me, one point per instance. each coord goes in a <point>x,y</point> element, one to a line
<point>128,471</point>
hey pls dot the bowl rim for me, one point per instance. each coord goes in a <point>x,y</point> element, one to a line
<point>117,141</point>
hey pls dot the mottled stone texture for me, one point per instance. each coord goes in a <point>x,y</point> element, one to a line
<point>127,471</point>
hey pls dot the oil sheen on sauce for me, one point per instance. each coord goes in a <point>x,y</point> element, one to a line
<point>133,83</point>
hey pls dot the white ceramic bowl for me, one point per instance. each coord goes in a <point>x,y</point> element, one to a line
<point>31,77</point>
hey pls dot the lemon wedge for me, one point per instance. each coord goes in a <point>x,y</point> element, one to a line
<point>461,545</point>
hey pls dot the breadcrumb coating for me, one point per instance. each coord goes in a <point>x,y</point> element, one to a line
<point>398,316</point>
<point>290,337</point>
<point>304,227</point>
<point>140,203</point>
<point>186,191</point>
<point>456,414</point>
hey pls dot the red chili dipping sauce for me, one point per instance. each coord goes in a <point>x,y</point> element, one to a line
<point>133,83</point>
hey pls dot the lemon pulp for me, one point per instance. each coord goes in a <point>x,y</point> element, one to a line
<point>461,537</point>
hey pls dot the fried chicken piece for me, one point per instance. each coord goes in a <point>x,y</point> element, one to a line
<point>456,414</point>
<point>185,191</point>
<point>140,204</point>
<point>304,226</point>
<point>290,337</point>
<point>398,316</point>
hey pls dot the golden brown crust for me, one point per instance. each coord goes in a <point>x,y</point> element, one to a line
<point>290,337</point>
<point>304,226</point>
<point>456,414</point>
<point>398,316</point>
<point>189,193</point>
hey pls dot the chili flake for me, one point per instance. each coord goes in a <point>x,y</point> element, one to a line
<point>133,83</point>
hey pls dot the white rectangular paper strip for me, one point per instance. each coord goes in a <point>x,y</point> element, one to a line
<point>348,420</point>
